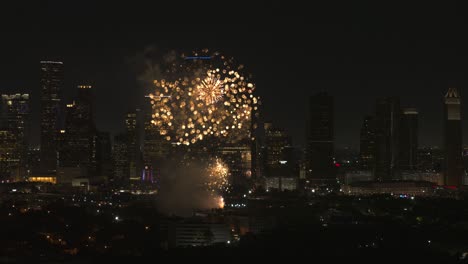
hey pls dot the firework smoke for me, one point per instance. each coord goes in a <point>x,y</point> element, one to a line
<point>183,189</point>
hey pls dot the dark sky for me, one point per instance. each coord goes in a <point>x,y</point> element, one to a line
<point>355,52</point>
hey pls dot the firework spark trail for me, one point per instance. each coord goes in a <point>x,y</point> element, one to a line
<point>199,99</point>
<point>218,181</point>
<point>221,202</point>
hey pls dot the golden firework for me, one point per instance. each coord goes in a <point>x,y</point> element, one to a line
<point>220,202</point>
<point>197,99</point>
<point>217,176</point>
<point>210,89</point>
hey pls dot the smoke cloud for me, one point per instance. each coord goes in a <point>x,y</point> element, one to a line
<point>183,189</point>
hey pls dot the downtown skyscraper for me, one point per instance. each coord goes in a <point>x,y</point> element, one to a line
<point>15,118</point>
<point>278,161</point>
<point>120,159</point>
<point>278,148</point>
<point>409,139</point>
<point>155,148</point>
<point>77,147</point>
<point>453,162</point>
<point>387,135</point>
<point>132,128</point>
<point>14,127</point>
<point>367,144</point>
<point>127,151</point>
<point>320,136</point>
<point>51,81</point>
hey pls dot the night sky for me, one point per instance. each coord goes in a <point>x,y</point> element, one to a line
<point>354,52</point>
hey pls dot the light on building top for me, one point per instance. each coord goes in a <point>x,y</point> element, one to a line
<point>51,62</point>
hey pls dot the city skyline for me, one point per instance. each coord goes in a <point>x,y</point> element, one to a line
<point>351,59</point>
<point>118,126</point>
<point>226,131</point>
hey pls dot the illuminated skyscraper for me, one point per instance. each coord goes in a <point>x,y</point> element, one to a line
<point>278,156</point>
<point>453,162</point>
<point>409,139</point>
<point>320,139</point>
<point>78,148</point>
<point>51,88</point>
<point>387,138</point>
<point>126,152</point>
<point>7,161</point>
<point>133,147</point>
<point>15,119</point>
<point>278,148</point>
<point>238,158</point>
<point>120,158</point>
<point>155,149</point>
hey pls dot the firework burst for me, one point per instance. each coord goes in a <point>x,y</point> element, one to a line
<point>210,90</point>
<point>203,98</point>
<point>218,181</point>
<point>220,202</point>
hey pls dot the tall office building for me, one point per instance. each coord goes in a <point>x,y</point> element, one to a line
<point>8,162</point>
<point>15,119</point>
<point>103,154</point>
<point>126,153</point>
<point>277,156</point>
<point>78,146</point>
<point>133,144</point>
<point>248,151</point>
<point>255,145</point>
<point>387,138</point>
<point>120,159</point>
<point>238,157</point>
<point>320,136</point>
<point>367,144</point>
<point>51,88</point>
<point>453,162</point>
<point>155,148</point>
<point>409,139</point>
<point>277,149</point>
<point>85,108</point>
